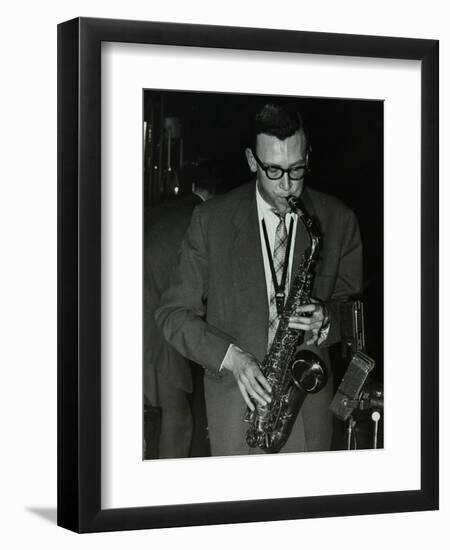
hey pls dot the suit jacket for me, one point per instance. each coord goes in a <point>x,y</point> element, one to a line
<point>218,296</point>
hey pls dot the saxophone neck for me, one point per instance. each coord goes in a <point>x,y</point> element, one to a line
<point>297,206</point>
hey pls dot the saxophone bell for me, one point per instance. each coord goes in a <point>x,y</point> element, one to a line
<point>309,373</point>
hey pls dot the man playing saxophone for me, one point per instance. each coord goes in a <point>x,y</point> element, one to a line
<point>235,269</point>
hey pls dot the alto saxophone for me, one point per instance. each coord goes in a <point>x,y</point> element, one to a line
<point>291,373</point>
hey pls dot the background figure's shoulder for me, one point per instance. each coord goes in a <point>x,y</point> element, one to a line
<point>167,221</point>
<point>223,206</point>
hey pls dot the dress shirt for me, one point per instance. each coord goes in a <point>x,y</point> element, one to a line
<point>266,213</point>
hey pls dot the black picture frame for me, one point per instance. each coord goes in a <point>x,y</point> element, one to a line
<point>79,274</point>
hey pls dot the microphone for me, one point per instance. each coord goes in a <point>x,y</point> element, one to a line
<point>348,395</point>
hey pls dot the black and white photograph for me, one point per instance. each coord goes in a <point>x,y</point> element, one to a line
<point>225,275</point>
<point>248,244</point>
<point>262,274</point>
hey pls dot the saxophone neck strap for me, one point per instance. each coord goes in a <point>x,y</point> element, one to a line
<point>280,288</point>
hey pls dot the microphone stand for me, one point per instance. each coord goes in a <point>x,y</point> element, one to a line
<point>370,397</point>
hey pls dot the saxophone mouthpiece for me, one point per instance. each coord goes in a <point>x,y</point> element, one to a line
<point>293,203</point>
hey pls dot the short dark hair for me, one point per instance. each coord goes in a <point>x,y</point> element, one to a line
<point>276,119</point>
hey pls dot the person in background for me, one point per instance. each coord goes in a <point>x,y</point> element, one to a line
<point>173,385</point>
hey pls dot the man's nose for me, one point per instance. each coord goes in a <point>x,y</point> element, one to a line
<point>285,182</point>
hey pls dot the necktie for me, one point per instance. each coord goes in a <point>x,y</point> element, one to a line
<point>279,253</point>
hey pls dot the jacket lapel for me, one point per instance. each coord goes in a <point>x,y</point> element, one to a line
<point>248,272</point>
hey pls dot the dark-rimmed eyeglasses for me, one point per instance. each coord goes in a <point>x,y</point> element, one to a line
<point>296,172</point>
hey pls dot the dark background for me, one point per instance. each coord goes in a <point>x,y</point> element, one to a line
<point>346,137</point>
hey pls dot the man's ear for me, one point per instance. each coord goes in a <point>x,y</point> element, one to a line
<point>250,159</point>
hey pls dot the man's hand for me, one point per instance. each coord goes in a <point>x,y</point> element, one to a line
<point>245,368</point>
<point>315,319</point>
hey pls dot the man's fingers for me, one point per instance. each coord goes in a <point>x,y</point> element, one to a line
<point>306,308</point>
<point>251,382</point>
<point>263,381</point>
<point>256,397</point>
<point>303,320</point>
<point>244,394</point>
<point>311,311</point>
<point>254,378</point>
<point>255,390</point>
<point>298,325</point>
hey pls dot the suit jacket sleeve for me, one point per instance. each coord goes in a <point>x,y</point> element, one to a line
<point>349,275</point>
<point>183,307</point>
